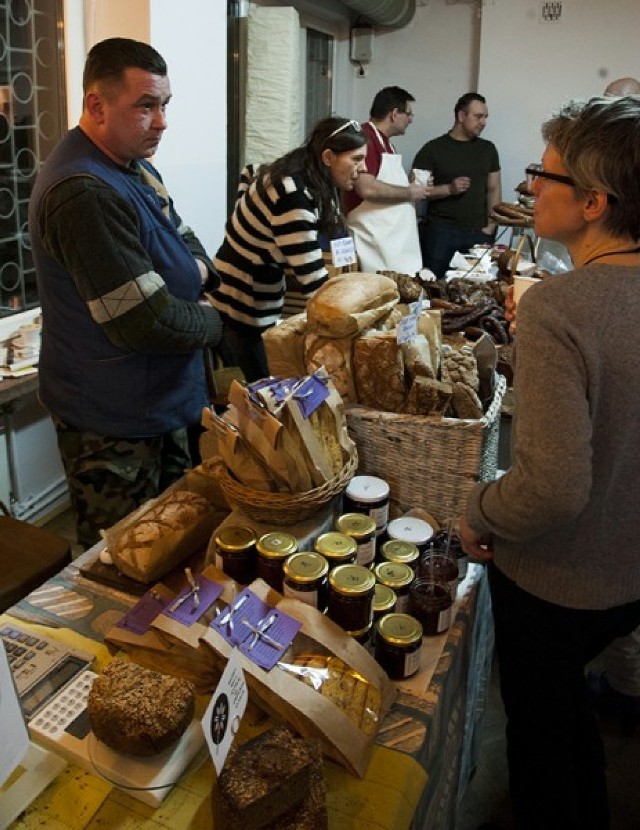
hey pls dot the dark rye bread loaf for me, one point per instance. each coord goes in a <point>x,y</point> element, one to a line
<point>265,778</point>
<point>138,711</point>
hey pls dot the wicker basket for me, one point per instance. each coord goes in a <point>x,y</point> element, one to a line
<point>283,508</point>
<point>428,462</point>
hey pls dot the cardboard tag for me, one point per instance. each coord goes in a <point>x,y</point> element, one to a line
<point>221,720</point>
<point>138,620</point>
<point>343,252</point>
<point>407,328</point>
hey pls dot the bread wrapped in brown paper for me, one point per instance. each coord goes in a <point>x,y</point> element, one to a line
<point>284,347</point>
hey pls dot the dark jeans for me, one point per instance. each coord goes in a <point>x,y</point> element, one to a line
<point>244,348</point>
<point>554,750</point>
<point>440,240</point>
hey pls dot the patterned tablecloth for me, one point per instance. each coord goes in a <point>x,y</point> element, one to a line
<point>425,750</point>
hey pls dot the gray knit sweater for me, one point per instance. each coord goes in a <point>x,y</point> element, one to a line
<point>566,517</point>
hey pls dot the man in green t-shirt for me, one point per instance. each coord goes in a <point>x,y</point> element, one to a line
<point>466,175</point>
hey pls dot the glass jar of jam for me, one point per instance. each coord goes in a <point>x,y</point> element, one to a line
<point>305,578</point>
<point>351,589</point>
<point>398,577</point>
<point>430,603</point>
<point>384,601</point>
<point>411,529</point>
<point>368,495</point>
<point>398,645</point>
<point>451,541</point>
<point>362,529</point>
<point>397,550</point>
<point>364,636</point>
<point>439,565</point>
<point>235,552</point>
<point>273,548</point>
<point>337,548</point>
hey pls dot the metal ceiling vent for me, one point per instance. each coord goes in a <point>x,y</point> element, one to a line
<point>391,13</point>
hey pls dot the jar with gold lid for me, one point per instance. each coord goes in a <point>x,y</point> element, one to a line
<point>398,576</point>
<point>363,529</point>
<point>337,548</point>
<point>384,601</point>
<point>398,645</point>
<point>411,529</point>
<point>363,636</point>
<point>368,495</point>
<point>305,578</point>
<point>235,553</point>
<point>273,548</point>
<point>398,550</point>
<point>351,589</point>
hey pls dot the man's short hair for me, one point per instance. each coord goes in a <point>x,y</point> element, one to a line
<point>108,60</point>
<point>462,104</point>
<point>388,99</point>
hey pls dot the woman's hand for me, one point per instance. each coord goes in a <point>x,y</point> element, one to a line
<point>477,546</point>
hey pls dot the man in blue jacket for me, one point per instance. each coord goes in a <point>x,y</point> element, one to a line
<point>120,280</point>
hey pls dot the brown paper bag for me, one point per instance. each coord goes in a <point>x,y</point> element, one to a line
<point>357,693</point>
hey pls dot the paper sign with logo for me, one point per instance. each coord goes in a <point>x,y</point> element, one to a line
<point>221,720</point>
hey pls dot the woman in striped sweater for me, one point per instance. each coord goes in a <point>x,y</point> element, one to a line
<point>273,231</point>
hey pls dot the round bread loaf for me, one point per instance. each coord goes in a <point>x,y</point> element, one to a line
<point>138,711</point>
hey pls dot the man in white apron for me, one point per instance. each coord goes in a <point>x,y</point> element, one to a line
<point>381,209</point>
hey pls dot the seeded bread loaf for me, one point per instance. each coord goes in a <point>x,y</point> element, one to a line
<point>138,711</point>
<point>263,779</point>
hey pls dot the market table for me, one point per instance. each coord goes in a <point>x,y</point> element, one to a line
<point>423,758</point>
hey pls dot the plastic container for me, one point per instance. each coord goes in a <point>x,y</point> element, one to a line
<point>398,645</point>
<point>368,495</point>
<point>440,566</point>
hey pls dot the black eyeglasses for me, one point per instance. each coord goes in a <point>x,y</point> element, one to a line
<point>536,172</point>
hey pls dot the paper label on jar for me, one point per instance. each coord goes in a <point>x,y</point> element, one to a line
<point>381,516</point>
<point>412,662</point>
<point>444,620</point>
<point>310,597</point>
<point>366,552</point>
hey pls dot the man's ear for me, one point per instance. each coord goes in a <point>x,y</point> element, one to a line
<point>327,156</point>
<point>93,104</point>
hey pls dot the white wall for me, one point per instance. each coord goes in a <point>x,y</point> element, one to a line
<point>529,68</point>
<point>193,153</point>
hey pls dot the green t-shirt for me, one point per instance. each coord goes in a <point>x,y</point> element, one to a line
<point>447,159</point>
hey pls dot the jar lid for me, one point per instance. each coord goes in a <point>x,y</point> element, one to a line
<point>399,629</point>
<point>384,598</point>
<point>336,546</point>
<point>356,525</point>
<point>367,489</point>
<point>397,550</point>
<point>277,544</point>
<point>305,566</point>
<point>234,539</point>
<point>361,632</point>
<point>352,579</point>
<point>394,574</point>
<point>410,529</point>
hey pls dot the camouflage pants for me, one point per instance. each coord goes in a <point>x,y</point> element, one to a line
<point>109,477</point>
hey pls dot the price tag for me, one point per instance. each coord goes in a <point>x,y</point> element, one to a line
<point>407,328</point>
<point>343,252</point>
<point>221,720</point>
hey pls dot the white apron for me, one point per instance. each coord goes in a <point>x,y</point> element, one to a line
<point>386,235</point>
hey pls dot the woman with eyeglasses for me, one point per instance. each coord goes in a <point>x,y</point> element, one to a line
<point>274,231</point>
<point>561,529</point>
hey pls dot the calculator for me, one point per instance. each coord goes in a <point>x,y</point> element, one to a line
<point>41,666</point>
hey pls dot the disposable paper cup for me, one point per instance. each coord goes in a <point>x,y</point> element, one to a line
<point>521,284</point>
<point>421,176</point>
